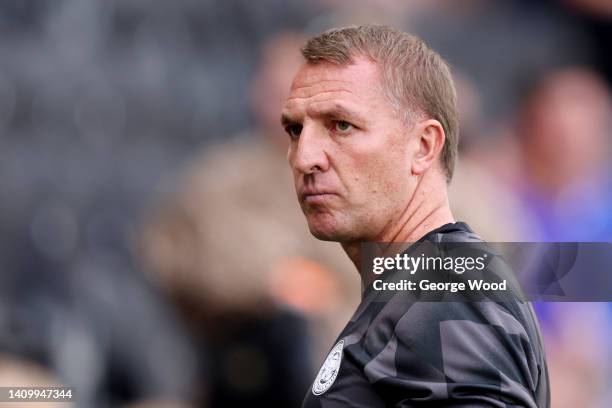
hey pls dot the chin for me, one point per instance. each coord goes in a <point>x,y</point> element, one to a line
<point>324,235</point>
<point>329,231</point>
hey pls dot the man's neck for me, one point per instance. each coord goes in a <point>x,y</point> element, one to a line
<point>427,210</point>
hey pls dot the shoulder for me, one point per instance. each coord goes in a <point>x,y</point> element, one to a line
<point>449,350</point>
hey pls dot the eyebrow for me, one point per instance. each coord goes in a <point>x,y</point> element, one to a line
<point>334,110</point>
<point>286,119</point>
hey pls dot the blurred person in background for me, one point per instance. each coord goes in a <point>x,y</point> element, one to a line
<point>566,185</point>
<point>259,294</point>
<point>564,136</point>
<point>476,195</point>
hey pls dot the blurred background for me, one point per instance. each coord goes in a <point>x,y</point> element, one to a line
<point>152,252</point>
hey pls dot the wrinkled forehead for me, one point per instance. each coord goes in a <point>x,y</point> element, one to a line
<point>360,79</point>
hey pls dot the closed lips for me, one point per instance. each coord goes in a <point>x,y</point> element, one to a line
<point>314,194</point>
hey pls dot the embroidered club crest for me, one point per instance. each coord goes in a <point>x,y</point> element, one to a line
<point>329,371</point>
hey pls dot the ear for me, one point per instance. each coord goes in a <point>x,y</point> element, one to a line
<point>430,139</point>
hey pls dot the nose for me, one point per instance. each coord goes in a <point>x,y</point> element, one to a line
<point>308,154</point>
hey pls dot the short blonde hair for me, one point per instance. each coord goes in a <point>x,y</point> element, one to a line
<point>416,79</point>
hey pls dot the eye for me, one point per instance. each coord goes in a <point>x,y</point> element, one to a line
<point>342,126</point>
<point>293,131</point>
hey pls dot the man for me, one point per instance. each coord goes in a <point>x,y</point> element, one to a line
<point>372,121</point>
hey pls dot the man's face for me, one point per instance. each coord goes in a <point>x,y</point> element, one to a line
<point>350,151</point>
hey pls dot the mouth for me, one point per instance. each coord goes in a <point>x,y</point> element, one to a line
<point>316,198</point>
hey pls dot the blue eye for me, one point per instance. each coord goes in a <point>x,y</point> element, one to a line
<point>342,126</point>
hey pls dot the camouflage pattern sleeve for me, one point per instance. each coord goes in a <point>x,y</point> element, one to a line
<point>458,355</point>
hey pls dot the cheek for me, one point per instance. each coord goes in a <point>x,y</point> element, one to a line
<point>374,164</point>
<point>375,181</point>
<point>387,170</point>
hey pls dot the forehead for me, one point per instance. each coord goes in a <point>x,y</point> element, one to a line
<point>358,83</point>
